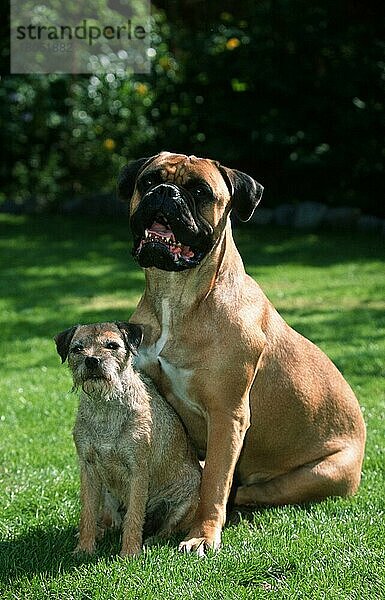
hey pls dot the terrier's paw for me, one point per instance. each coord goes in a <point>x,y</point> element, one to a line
<point>84,549</point>
<point>131,552</point>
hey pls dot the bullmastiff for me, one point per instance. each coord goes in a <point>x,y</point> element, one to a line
<point>256,397</point>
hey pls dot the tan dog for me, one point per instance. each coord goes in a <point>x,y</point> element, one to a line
<point>254,395</point>
<point>131,445</point>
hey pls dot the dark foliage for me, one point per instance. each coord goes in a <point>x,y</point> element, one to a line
<point>291,92</point>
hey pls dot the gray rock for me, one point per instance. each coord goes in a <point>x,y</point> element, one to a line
<point>284,214</point>
<point>342,216</point>
<point>95,205</point>
<point>369,223</point>
<point>262,216</point>
<point>309,215</point>
<point>73,205</point>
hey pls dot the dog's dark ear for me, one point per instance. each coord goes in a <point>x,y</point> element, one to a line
<point>245,192</point>
<point>63,341</point>
<point>128,175</point>
<point>132,335</point>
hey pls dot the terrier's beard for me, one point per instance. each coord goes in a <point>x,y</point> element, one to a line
<point>106,387</point>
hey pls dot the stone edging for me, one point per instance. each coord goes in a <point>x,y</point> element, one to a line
<point>305,215</point>
<point>310,215</point>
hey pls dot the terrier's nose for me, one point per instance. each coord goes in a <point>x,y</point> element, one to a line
<point>92,362</point>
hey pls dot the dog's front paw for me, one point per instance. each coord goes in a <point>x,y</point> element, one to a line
<point>83,548</point>
<point>131,551</point>
<point>201,543</point>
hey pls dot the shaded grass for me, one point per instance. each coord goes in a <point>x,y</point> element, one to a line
<point>59,271</point>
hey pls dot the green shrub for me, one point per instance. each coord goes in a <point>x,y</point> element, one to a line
<point>291,92</point>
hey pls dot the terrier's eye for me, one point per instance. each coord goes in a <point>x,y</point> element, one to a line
<point>77,349</point>
<point>112,345</point>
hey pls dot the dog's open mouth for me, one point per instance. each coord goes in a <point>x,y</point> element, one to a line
<point>159,236</point>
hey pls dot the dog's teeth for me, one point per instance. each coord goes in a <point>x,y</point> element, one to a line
<point>151,236</point>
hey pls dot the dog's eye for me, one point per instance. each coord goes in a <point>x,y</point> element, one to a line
<point>201,192</point>
<point>77,349</point>
<point>148,181</point>
<point>112,345</point>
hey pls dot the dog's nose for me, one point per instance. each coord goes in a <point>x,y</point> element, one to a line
<point>92,362</point>
<point>164,195</point>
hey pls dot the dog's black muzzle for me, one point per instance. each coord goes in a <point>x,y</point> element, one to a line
<point>169,233</point>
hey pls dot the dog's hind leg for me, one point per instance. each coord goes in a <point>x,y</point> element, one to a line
<point>180,517</point>
<point>174,509</point>
<point>335,475</point>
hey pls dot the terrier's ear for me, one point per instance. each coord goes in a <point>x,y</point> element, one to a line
<point>245,192</point>
<point>132,335</point>
<point>63,341</point>
<point>128,176</point>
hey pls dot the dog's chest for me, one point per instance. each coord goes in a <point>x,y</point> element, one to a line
<point>102,431</point>
<point>155,359</point>
<point>110,455</point>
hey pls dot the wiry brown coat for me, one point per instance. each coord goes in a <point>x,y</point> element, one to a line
<point>132,448</point>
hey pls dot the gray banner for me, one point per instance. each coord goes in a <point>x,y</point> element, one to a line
<point>97,36</point>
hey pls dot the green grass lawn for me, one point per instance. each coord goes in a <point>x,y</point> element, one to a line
<point>59,271</point>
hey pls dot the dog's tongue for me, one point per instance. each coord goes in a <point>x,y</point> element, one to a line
<point>164,230</point>
<point>161,229</point>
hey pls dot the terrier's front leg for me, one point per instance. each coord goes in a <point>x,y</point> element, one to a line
<point>90,496</point>
<point>135,503</point>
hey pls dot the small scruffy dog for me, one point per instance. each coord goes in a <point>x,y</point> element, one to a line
<point>132,448</point>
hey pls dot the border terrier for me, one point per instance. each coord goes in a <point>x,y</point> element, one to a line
<point>132,448</point>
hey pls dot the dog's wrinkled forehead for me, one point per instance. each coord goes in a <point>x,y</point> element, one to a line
<point>175,172</point>
<point>181,169</point>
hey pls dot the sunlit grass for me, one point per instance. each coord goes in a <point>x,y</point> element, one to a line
<point>60,271</point>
